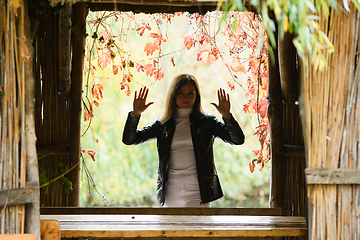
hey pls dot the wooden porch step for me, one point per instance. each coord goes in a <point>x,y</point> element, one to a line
<point>177,226</point>
<point>18,237</point>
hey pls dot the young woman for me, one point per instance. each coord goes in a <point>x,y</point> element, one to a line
<point>186,175</point>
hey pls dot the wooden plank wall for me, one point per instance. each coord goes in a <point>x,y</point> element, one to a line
<point>52,113</point>
<point>332,130</point>
<point>12,120</point>
<point>58,76</point>
<point>18,160</point>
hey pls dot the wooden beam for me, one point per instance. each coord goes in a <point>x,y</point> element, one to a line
<point>332,176</point>
<point>32,210</point>
<point>162,211</point>
<point>294,151</point>
<point>159,6</point>
<point>78,46</point>
<point>174,226</point>
<point>275,115</point>
<point>53,149</point>
<point>65,52</point>
<point>149,8</point>
<point>159,2</point>
<point>18,237</point>
<point>19,196</point>
<point>287,68</point>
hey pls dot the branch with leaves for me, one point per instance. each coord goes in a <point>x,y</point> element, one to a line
<point>245,53</point>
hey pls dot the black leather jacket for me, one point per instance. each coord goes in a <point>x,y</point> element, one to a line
<point>203,131</point>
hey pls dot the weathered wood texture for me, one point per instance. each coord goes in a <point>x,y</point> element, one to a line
<point>78,47</point>
<point>152,7</point>
<point>18,196</point>
<point>181,226</point>
<point>50,230</point>
<point>287,137</point>
<point>65,52</point>
<point>332,176</point>
<point>32,210</point>
<point>17,136</point>
<point>52,65</point>
<point>18,237</point>
<point>275,111</point>
<point>331,105</point>
<point>162,211</point>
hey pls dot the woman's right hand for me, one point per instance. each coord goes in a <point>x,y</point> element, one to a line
<point>139,104</point>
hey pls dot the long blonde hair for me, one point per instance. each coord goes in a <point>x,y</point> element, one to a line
<point>170,102</point>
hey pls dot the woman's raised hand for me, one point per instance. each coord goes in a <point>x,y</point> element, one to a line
<point>139,104</point>
<point>224,103</point>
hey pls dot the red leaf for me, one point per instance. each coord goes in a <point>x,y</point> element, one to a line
<point>149,69</point>
<point>158,74</point>
<point>88,114</point>
<point>231,85</point>
<point>126,78</point>
<point>240,68</point>
<point>104,60</point>
<point>97,90</point>
<point>91,153</point>
<point>142,31</point>
<point>189,42</point>
<point>252,166</point>
<point>154,35</point>
<point>172,61</point>
<point>150,48</point>
<point>115,69</point>
<point>256,152</point>
<point>103,35</point>
<point>262,166</point>
<point>206,56</point>
<point>139,67</point>
<point>246,108</point>
<point>92,70</point>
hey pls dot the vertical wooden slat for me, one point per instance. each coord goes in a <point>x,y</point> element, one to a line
<point>275,124</point>
<point>80,13</point>
<point>32,216</point>
<point>64,52</point>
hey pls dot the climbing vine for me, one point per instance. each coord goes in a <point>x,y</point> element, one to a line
<point>246,53</point>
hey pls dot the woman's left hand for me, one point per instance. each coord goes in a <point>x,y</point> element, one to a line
<point>224,103</point>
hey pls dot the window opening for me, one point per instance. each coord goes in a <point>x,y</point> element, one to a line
<point>125,51</point>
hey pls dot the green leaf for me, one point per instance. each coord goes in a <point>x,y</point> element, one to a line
<point>299,48</point>
<point>357,4</point>
<point>325,8</point>
<point>271,37</point>
<point>332,3</point>
<point>271,54</point>
<point>311,6</point>
<point>239,4</point>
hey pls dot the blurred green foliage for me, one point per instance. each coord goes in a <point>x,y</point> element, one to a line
<point>126,175</point>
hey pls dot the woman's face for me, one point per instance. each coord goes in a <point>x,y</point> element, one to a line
<point>186,96</point>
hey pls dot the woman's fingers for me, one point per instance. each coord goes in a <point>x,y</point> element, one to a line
<point>222,95</point>
<point>139,104</point>
<point>224,103</point>
<point>143,92</point>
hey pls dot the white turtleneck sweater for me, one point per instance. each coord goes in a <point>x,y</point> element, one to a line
<point>182,158</point>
